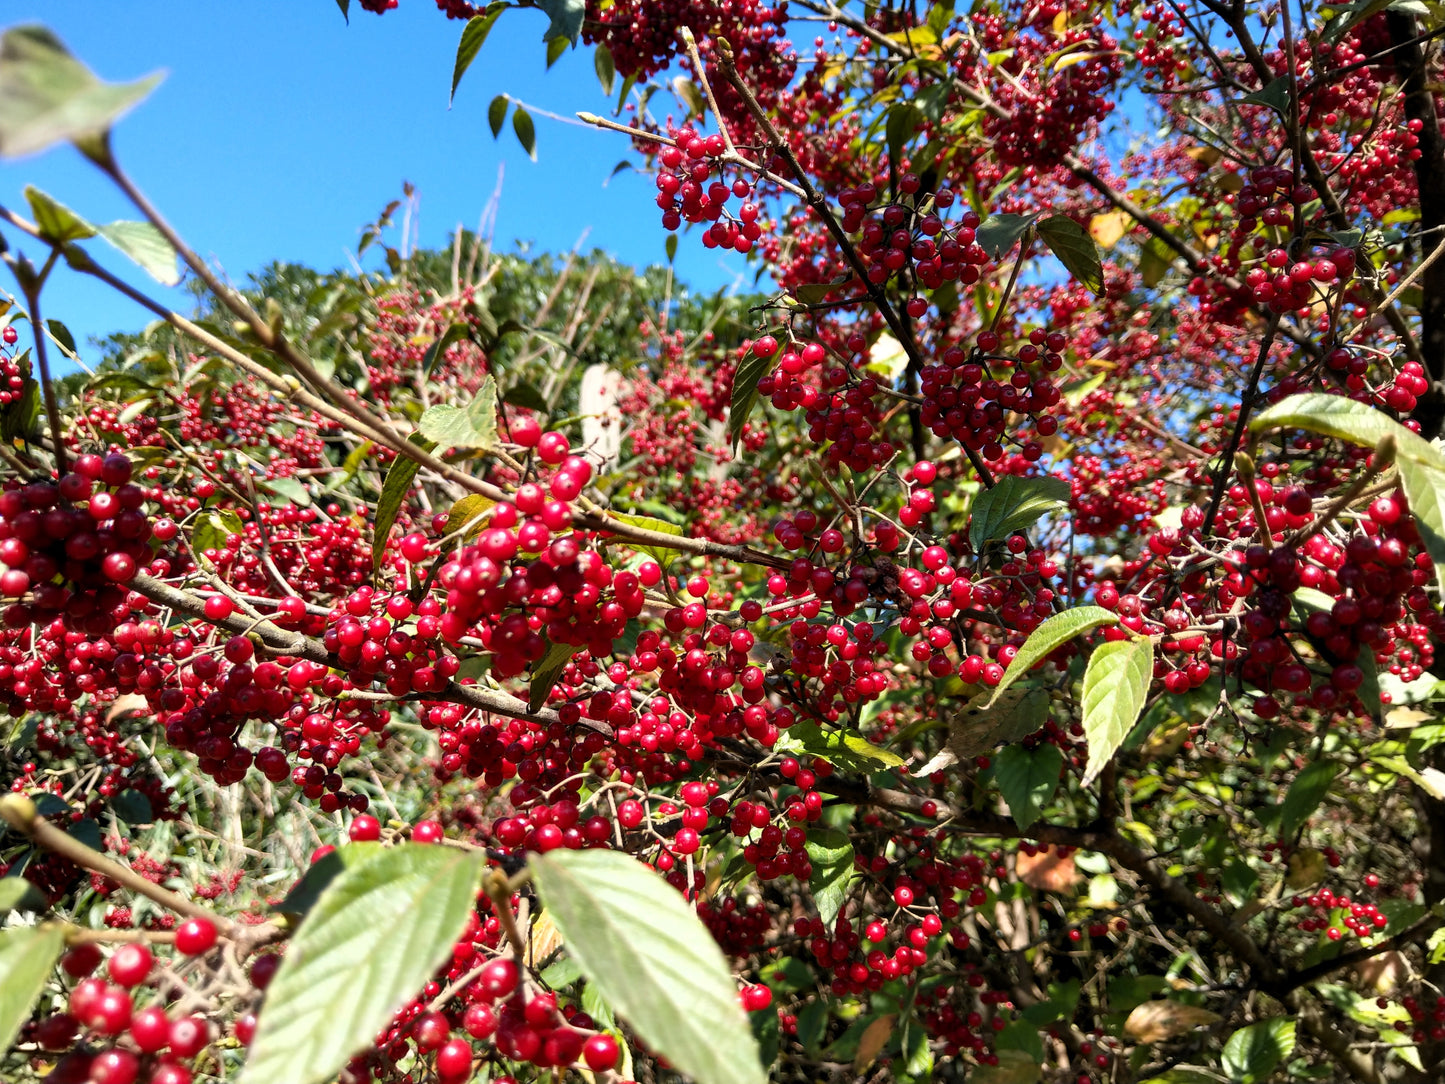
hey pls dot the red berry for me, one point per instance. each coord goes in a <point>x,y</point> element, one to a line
<point>195,936</point>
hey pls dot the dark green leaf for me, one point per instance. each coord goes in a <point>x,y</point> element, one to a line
<point>454,333</point>
<point>85,831</point>
<point>546,671</point>
<point>18,419</point>
<point>555,48</point>
<point>1027,780</point>
<point>305,892</point>
<point>497,113</point>
<point>1075,249</point>
<point>997,234</point>
<point>1252,1053</point>
<point>18,894</point>
<point>1116,685</point>
<point>526,131</point>
<point>293,489</point>
<point>831,855</point>
<point>566,18</point>
<point>375,935</point>
<point>981,723</point>
<point>1274,94</point>
<point>133,807</point>
<point>55,221</point>
<point>745,391</point>
<point>474,35</point>
<point>767,1033</point>
<point>652,960</point>
<point>145,246</point>
<point>345,6</point>
<point>471,426</point>
<point>606,70</point>
<point>27,957</point>
<point>61,334</point>
<point>49,97</point>
<point>670,247</point>
<point>1014,504</point>
<point>1051,634</point>
<point>393,492</point>
<point>1305,795</point>
<point>523,394</point>
<point>904,120</point>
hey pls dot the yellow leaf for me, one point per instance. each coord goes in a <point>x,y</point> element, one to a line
<point>1061,22</point>
<point>875,1038</point>
<point>1155,1021</point>
<point>1404,718</point>
<point>1305,867</point>
<point>544,937</point>
<point>1068,60</point>
<point>1205,156</point>
<point>469,512</point>
<point>1107,228</point>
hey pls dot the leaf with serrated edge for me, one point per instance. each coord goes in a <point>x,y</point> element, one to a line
<point>470,426</point>
<point>652,960</point>
<point>1014,504</point>
<point>997,234</point>
<point>1116,685</point>
<point>27,957</point>
<point>663,555</point>
<point>980,725</point>
<point>1347,419</point>
<point>146,246</point>
<point>49,97</point>
<point>544,674</point>
<point>1050,635</point>
<point>55,221</point>
<point>831,856</point>
<point>1027,780</point>
<point>372,940</point>
<point>469,514</point>
<point>1253,1052</point>
<point>1075,249</point>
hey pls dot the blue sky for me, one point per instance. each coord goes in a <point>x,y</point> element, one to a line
<point>280,131</point>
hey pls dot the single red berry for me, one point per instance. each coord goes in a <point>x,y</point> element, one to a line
<point>195,936</point>
<point>600,1052</point>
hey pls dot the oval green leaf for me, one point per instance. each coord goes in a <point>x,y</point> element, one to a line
<point>544,674</point>
<point>145,246</point>
<point>374,937</point>
<point>1253,1052</point>
<point>27,957</point>
<point>474,35</point>
<point>393,492</point>
<point>1050,635</point>
<point>652,960</point>
<point>497,113</point>
<point>1116,685</point>
<point>831,855</point>
<point>1027,780</point>
<point>1014,504</point>
<point>745,392</point>
<point>1076,250</point>
<point>526,131</point>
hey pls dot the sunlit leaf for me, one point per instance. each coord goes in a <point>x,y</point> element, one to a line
<point>1052,634</point>
<point>1014,504</point>
<point>27,957</point>
<point>1116,685</point>
<point>1075,249</point>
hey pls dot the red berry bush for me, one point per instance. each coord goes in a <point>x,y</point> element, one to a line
<point>1001,650</point>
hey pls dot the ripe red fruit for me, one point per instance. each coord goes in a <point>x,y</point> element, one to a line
<point>114,1067</point>
<point>129,965</point>
<point>454,1060</point>
<point>189,1036</point>
<point>499,978</point>
<point>756,998</point>
<point>151,1029</point>
<point>427,832</point>
<point>365,827</point>
<point>195,936</point>
<point>600,1052</point>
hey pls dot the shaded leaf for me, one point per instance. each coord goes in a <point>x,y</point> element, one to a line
<point>319,875</point>
<point>670,247</point>
<point>1305,795</point>
<point>546,671</point>
<point>526,131</point>
<point>133,807</point>
<point>1014,504</point>
<point>293,489</point>
<point>566,18</point>
<point>373,938</point>
<point>474,36</point>
<point>904,120</point>
<point>831,856</point>
<point>1075,249</point>
<point>18,894</point>
<point>27,957</point>
<point>454,333</point>
<point>663,555</point>
<point>606,71</point>
<point>1274,94</point>
<point>1253,1052</point>
<point>394,489</point>
<point>1027,779</point>
<point>146,247</point>
<point>555,48</point>
<point>1052,634</point>
<point>523,394</point>
<point>652,960</point>
<point>1116,685</point>
<point>497,113</point>
<point>745,391</point>
<point>48,97</point>
<point>1155,1021</point>
<point>1013,1067</point>
<point>997,234</point>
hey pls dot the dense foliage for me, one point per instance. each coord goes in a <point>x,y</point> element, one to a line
<point>1012,638</point>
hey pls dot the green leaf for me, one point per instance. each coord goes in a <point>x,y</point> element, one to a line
<point>133,807</point>
<point>345,6</point>
<point>1305,795</point>
<point>979,725</point>
<point>555,48</point>
<point>1253,1052</point>
<point>997,234</point>
<point>1347,419</point>
<point>566,18</point>
<point>27,957</point>
<point>1013,1067</point>
<point>146,247</point>
<point>813,1026</point>
<point>373,939</point>
<point>831,856</point>
<point>523,394</point>
<point>1014,504</point>
<point>745,391</point>
<point>526,131</point>
<point>17,420</point>
<point>1027,780</point>
<point>319,875</point>
<point>904,120</point>
<point>663,555</point>
<point>497,113</point>
<point>18,894</point>
<point>1076,250</point>
<point>1116,684</point>
<point>393,492</point>
<point>1049,636</point>
<point>474,35</point>
<point>467,512</point>
<point>471,426</point>
<point>62,336</point>
<point>293,489</point>
<point>652,960</point>
<point>846,749</point>
<point>1274,94</point>
<point>1424,486</point>
<point>454,333</point>
<point>49,97</point>
<point>214,528</point>
<point>670,247</point>
<point>55,221</point>
<point>606,69</point>
<point>545,672</point>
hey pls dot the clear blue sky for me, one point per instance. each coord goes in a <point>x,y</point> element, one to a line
<point>280,131</point>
